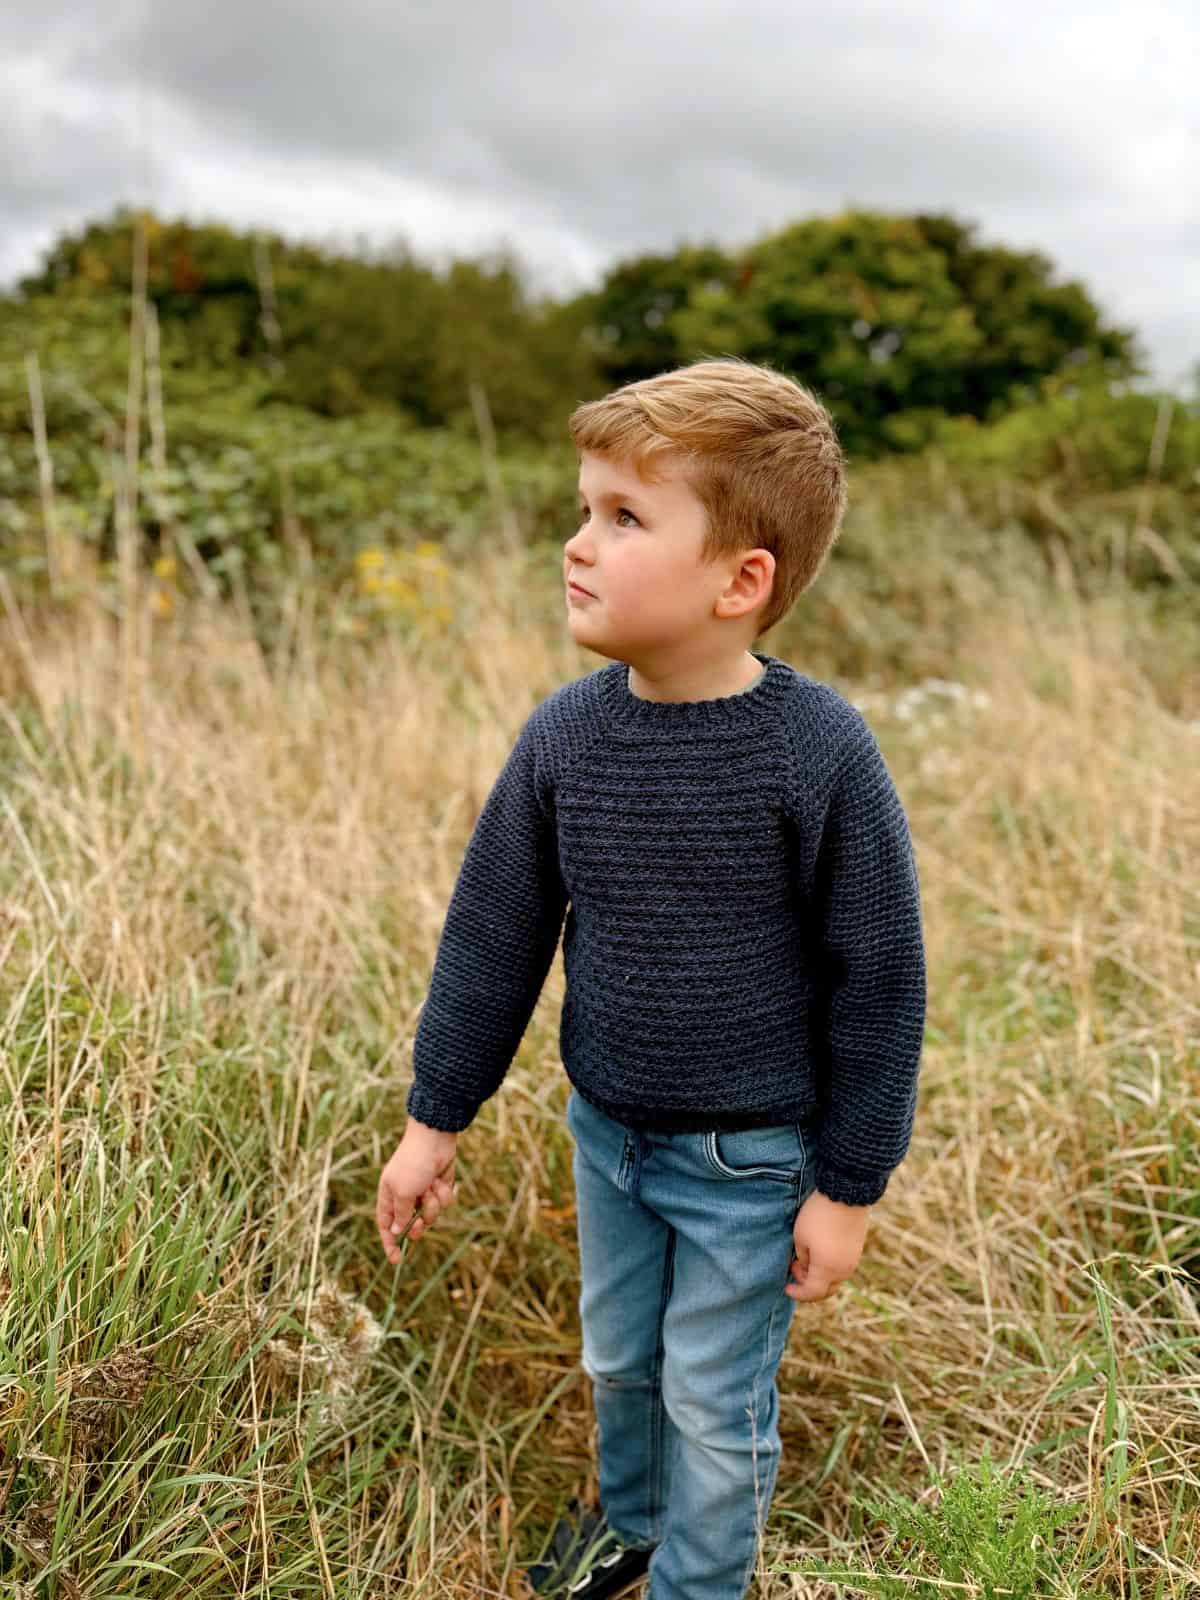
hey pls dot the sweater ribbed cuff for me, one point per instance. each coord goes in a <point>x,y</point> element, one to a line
<point>435,1110</point>
<point>853,1186</point>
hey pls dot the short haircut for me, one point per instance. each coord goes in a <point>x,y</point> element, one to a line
<point>758,450</point>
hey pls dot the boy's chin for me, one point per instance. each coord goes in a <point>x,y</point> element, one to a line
<point>596,646</point>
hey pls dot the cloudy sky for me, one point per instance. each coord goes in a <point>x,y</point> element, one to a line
<point>581,132</point>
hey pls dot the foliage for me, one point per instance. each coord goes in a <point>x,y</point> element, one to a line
<point>631,319</point>
<point>897,321</point>
<point>364,434</point>
<point>339,335</point>
<point>1072,467</point>
<point>1090,435</point>
<point>233,452</point>
<point>990,1535</point>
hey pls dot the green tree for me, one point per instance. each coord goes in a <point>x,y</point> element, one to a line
<point>526,356</point>
<point>630,321</point>
<point>359,336</point>
<point>895,321</point>
<point>338,334</point>
<point>1032,326</point>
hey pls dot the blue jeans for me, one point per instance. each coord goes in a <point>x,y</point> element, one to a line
<point>685,1244</point>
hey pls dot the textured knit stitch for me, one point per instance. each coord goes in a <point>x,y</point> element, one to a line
<point>742,942</point>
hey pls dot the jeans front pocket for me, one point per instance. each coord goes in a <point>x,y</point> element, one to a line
<point>777,1152</point>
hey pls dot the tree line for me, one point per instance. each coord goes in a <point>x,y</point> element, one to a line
<point>897,321</point>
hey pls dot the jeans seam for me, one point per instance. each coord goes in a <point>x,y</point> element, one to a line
<point>758,1525</point>
<point>657,1507</point>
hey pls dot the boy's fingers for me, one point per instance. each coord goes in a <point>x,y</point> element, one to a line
<point>383,1220</point>
<point>419,1215</point>
<point>400,1219</point>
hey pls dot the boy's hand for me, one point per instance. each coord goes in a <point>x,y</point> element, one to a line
<point>420,1171</point>
<point>828,1236</point>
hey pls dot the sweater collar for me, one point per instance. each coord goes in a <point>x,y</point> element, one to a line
<point>741,709</point>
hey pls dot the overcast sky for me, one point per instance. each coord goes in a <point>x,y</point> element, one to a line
<point>582,132</point>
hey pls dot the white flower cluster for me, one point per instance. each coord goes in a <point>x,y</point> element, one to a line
<point>931,700</point>
<point>926,705</point>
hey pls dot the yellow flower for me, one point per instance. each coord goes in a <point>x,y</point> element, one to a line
<point>369,558</point>
<point>162,603</point>
<point>164,567</point>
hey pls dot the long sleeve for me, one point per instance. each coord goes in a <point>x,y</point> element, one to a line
<point>869,927</point>
<point>499,937</point>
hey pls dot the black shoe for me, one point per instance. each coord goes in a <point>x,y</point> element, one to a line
<point>586,1560</point>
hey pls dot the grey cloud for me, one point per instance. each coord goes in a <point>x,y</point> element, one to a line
<point>579,107</point>
<point>636,129</point>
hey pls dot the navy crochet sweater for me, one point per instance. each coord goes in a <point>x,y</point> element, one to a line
<point>742,941</point>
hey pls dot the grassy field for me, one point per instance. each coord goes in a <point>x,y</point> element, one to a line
<point>223,875</point>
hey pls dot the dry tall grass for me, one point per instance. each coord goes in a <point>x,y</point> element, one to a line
<point>222,883</point>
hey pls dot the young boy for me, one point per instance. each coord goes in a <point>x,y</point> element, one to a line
<point>743,954</point>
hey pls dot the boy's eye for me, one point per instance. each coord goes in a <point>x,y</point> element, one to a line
<point>622,511</point>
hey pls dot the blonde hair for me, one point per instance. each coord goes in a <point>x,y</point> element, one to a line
<point>759,451</point>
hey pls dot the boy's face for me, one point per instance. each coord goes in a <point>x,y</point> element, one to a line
<point>638,551</point>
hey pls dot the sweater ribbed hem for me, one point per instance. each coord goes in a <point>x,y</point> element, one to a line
<point>681,1120</point>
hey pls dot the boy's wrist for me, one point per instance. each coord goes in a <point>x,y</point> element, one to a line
<point>424,1134</point>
